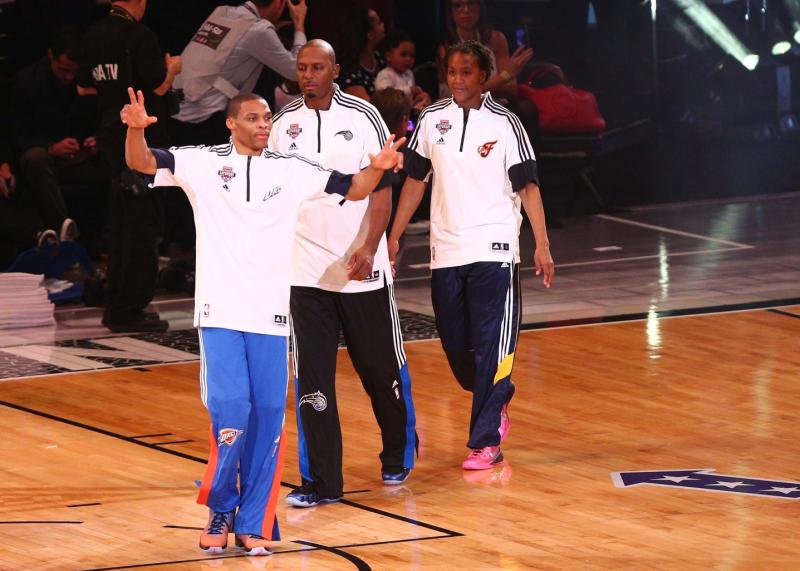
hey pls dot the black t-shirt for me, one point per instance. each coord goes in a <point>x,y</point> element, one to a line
<point>120,52</point>
<point>42,111</point>
<point>364,77</point>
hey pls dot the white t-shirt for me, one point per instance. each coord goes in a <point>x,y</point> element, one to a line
<point>388,77</point>
<point>329,230</point>
<point>245,214</point>
<point>479,161</point>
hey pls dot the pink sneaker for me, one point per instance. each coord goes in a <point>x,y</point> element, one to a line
<point>505,423</point>
<point>483,458</point>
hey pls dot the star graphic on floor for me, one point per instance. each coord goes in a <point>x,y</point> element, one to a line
<point>730,485</point>
<point>676,479</point>
<point>782,490</point>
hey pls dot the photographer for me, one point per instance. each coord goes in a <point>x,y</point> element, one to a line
<point>119,51</point>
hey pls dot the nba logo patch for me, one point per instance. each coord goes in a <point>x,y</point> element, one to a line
<point>500,247</point>
<point>444,126</point>
<point>206,310</point>
<point>226,174</point>
<point>294,130</point>
<point>228,436</point>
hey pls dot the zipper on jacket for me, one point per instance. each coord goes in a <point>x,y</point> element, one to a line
<point>248,178</point>
<point>319,131</point>
<point>464,129</point>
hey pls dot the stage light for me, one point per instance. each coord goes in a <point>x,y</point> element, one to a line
<point>781,47</point>
<point>797,33</point>
<point>750,61</point>
<point>719,33</point>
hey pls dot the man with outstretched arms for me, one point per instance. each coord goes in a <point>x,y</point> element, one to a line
<point>245,201</point>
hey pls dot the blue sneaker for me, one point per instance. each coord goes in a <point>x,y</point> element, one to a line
<point>307,496</point>
<point>395,479</point>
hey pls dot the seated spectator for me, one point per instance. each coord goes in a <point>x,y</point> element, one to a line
<point>400,54</point>
<point>225,57</point>
<point>468,20</point>
<point>360,59</point>
<point>51,129</point>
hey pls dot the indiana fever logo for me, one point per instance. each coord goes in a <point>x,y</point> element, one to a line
<point>317,400</point>
<point>228,436</point>
<point>486,148</point>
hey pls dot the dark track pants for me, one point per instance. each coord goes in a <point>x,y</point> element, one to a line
<point>372,331</point>
<point>478,309</point>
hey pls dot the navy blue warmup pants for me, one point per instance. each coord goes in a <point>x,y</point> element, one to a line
<point>478,308</point>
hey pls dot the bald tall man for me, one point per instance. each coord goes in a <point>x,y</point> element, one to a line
<point>342,280</point>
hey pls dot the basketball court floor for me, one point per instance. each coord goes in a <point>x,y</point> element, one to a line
<point>662,365</point>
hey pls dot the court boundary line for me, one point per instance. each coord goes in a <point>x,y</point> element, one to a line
<point>186,456</point>
<point>539,326</point>
<point>667,230</point>
<point>610,260</point>
<point>274,553</point>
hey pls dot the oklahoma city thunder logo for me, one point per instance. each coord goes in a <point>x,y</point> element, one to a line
<point>444,126</point>
<point>294,130</point>
<point>226,174</point>
<point>486,148</point>
<point>317,400</point>
<point>228,436</point>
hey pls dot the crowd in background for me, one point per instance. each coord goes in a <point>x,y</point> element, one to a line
<point>63,178</point>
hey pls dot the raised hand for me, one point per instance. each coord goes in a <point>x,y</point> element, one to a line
<point>389,157</point>
<point>516,63</point>
<point>297,12</point>
<point>134,114</point>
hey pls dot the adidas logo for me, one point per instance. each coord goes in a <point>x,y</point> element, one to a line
<point>505,265</point>
<point>440,141</point>
<point>292,147</point>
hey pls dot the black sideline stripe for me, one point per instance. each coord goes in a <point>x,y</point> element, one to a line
<point>360,564</point>
<point>667,313</point>
<point>39,522</point>
<point>203,461</point>
<point>786,313</point>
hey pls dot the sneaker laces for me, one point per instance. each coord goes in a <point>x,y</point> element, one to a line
<point>218,522</point>
<point>483,453</point>
<point>306,489</point>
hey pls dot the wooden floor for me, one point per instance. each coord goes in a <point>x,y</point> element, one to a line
<point>99,469</point>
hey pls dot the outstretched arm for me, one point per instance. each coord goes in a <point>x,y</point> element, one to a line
<point>134,115</point>
<point>388,158</point>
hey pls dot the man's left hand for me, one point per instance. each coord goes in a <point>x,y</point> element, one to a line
<point>389,157</point>
<point>359,266</point>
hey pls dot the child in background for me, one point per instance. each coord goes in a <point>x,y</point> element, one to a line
<point>400,52</point>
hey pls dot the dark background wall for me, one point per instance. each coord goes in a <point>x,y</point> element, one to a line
<point>717,128</point>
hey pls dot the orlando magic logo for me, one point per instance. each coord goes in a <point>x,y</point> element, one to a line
<point>317,400</point>
<point>348,135</point>
<point>444,126</point>
<point>294,130</point>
